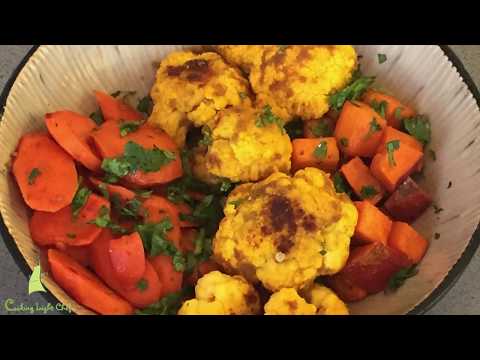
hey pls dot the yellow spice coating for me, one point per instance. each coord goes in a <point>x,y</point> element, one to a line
<point>295,80</point>
<point>190,89</point>
<point>243,152</point>
<point>288,302</point>
<point>326,301</point>
<point>221,294</point>
<point>285,231</point>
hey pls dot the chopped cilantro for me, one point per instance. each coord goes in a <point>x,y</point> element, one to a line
<point>145,105</point>
<point>419,127</point>
<point>206,140</point>
<point>353,91</point>
<point>236,203</point>
<point>142,284</point>
<point>368,192</point>
<point>127,127</point>
<point>344,142</point>
<point>169,304</point>
<point>340,184</point>
<point>33,176</point>
<point>97,117</point>
<point>379,107</point>
<point>322,128</point>
<point>398,113</point>
<point>399,278</point>
<point>381,58</point>
<point>267,117</point>
<point>321,150</point>
<point>392,146</point>
<point>374,127</point>
<point>80,199</point>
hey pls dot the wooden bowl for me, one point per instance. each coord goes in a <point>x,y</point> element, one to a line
<point>64,77</point>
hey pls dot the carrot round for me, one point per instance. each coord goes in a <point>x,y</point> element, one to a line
<point>404,238</point>
<point>392,134</point>
<point>359,129</point>
<point>114,109</point>
<point>187,241</point>
<point>78,253</point>
<point>44,172</point>
<point>321,153</point>
<point>391,169</point>
<point>372,226</point>
<point>362,181</point>
<point>395,111</point>
<point>84,286</point>
<point>61,227</point>
<point>128,259</point>
<point>123,193</point>
<point>147,290</point>
<point>157,209</point>
<point>170,278</point>
<point>111,144</point>
<point>72,132</point>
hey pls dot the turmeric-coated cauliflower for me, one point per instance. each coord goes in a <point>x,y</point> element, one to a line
<point>326,301</point>
<point>288,302</point>
<point>295,80</point>
<point>221,294</point>
<point>242,151</point>
<point>190,88</point>
<point>285,231</point>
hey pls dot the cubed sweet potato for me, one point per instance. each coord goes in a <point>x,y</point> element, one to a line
<point>408,202</point>
<point>372,226</point>
<point>406,239</point>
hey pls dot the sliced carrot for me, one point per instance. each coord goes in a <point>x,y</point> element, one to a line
<point>157,209</point>
<point>318,128</point>
<point>72,132</point>
<point>78,253</point>
<point>84,286</point>
<point>392,134</point>
<point>404,238</point>
<point>45,173</point>
<point>170,278</point>
<point>359,129</point>
<point>128,259</point>
<point>391,173</point>
<point>61,227</point>
<point>111,144</point>
<point>123,193</point>
<point>321,153</point>
<point>362,181</point>
<point>187,241</point>
<point>147,291</point>
<point>392,115</point>
<point>186,210</point>
<point>372,225</point>
<point>114,109</point>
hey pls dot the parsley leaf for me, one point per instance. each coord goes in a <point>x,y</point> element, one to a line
<point>103,190</point>
<point>353,91</point>
<point>392,146</point>
<point>225,186</point>
<point>208,213</point>
<point>368,192</point>
<point>398,113</point>
<point>322,128</point>
<point>419,127</point>
<point>127,127</point>
<point>321,150</point>
<point>236,203</point>
<point>145,105</point>
<point>267,117</point>
<point>143,193</point>
<point>344,142</point>
<point>340,184</point>
<point>80,199</point>
<point>206,140</point>
<point>97,117</point>
<point>142,284</point>
<point>379,107</point>
<point>131,209</point>
<point>399,278</point>
<point>155,242</point>
<point>169,304</point>
<point>374,127</point>
<point>33,176</point>
<point>381,58</point>
<point>103,218</point>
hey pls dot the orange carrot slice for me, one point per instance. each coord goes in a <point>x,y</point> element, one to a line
<point>114,109</point>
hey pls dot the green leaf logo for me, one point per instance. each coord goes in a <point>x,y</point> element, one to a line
<point>35,282</point>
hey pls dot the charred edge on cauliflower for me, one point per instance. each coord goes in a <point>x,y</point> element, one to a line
<point>192,70</point>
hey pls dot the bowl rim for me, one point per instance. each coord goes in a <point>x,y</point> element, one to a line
<point>431,300</point>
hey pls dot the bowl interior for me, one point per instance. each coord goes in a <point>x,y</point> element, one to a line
<point>64,77</point>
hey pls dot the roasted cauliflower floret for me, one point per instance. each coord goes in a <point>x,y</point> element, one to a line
<point>190,89</point>
<point>326,301</point>
<point>295,80</point>
<point>221,294</point>
<point>285,231</point>
<point>241,151</point>
<point>288,302</point>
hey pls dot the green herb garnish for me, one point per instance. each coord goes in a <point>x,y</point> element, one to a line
<point>127,127</point>
<point>381,58</point>
<point>97,117</point>
<point>321,150</point>
<point>374,127</point>
<point>322,128</point>
<point>142,285</point>
<point>131,209</point>
<point>294,128</point>
<point>103,190</point>
<point>398,113</point>
<point>368,192</point>
<point>206,140</point>
<point>144,193</point>
<point>33,176</point>
<point>103,218</point>
<point>353,91</point>
<point>236,203</point>
<point>419,127</point>
<point>379,107</point>
<point>344,142</point>
<point>340,184</point>
<point>145,105</point>
<point>392,146</point>
<point>169,304</point>
<point>225,186</point>
<point>267,117</point>
<point>80,199</point>
<point>399,278</point>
